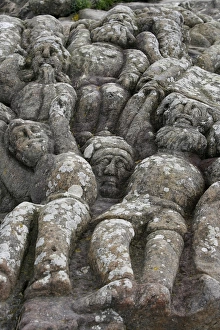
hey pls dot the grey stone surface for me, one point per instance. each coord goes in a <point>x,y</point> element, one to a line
<point>109,166</point>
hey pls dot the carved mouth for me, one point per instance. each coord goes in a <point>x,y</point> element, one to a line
<point>109,181</point>
<point>35,141</point>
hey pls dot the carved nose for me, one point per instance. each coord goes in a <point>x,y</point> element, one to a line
<point>110,168</point>
<point>46,52</point>
<point>28,133</point>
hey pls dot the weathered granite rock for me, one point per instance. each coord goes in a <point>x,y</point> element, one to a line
<point>109,166</point>
<point>56,8</point>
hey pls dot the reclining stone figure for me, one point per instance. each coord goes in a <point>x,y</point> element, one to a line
<point>162,189</point>
<point>133,77</point>
<point>162,192</point>
<point>61,187</point>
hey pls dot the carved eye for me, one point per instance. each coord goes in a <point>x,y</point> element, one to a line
<point>120,164</point>
<point>105,162</point>
<point>35,129</point>
<point>21,134</point>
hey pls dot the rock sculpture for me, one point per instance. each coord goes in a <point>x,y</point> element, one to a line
<point>162,189</point>
<point>64,183</point>
<point>110,128</point>
<point>109,71</point>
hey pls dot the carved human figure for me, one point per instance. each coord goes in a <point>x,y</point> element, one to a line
<point>56,108</point>
<point>12,57</point>
<point>62,186</point>
<point>192,128</point>
<point>164,41</point>
<point>104,69</point>
<point>161,191</point>
<point>128,70</point>
<point>112,162</point>
<point>44,42</point>
<point>48,96</point>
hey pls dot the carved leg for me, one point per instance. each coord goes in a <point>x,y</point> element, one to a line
<point>206,242</point>
<point>60,223</point>
<point>14,233</point>
<point>109,250</point>
<point>162,254</point>
<point>110,257</point>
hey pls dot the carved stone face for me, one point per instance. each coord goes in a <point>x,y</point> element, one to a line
<point>124,15</point>
<point>51,52</point>
<point>29,142</point>
<point>112,167</point>
<point>186,124</point>
<point>189,115</point>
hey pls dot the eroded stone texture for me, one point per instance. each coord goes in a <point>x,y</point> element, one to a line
<point>109,170</point>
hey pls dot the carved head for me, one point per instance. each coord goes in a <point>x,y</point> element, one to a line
<point>186,124</point>
<point>28,140</point>
<point>124,15</point>
<point>49,49</point>
<point>111,158</point>
<point>118,27</point>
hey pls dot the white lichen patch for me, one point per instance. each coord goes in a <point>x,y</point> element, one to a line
<point>159,237</point>
<point>89,151</point>
<point>59,261</point>
<point>45,280</point>
<point>62,275</point>
<point>40,242</point>
<point>3,278</point>
<point>40,258</point>
<point>120,273</point>
<point>212,241</point>
<point>49,217</point>
<point>76,190</point>
<point>4,252</point>
<point>83,178</point>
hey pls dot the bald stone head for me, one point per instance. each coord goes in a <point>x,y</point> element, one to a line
<point>28,140</point>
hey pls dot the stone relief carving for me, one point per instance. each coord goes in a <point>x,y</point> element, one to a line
<point>111,127</point>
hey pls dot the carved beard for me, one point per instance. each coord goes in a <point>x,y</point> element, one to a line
<point>181,139</point>
<point>109,192</point>
<point>110,189</point>
<point>33,152</point>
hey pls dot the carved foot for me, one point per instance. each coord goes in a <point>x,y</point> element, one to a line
<point>125,295</point>
<point>119,292</point>
<point>153,297</point>
<point>5,287</point>
<point>56,283</point>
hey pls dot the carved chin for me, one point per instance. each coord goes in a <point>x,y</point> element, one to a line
<point>181,139</point>
<point>30,157</point>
